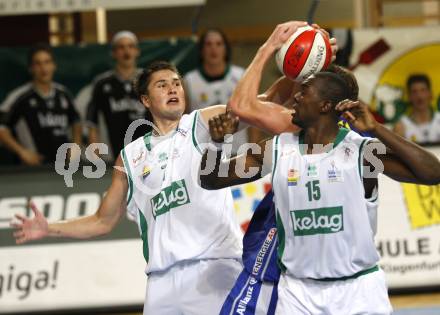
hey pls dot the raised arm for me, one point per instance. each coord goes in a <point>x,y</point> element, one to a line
<point>279,93</point>
<point>267,115</point>
<point>102,222</point>
<point>403,160</point>
<point>216,173</point>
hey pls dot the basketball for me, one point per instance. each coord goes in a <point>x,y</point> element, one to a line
<point>306,52</point>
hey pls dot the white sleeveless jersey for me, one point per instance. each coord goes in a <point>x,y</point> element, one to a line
<point>178,220</point>
<point>422,133</point>
<point>204,92</point>
<point>326,226</point>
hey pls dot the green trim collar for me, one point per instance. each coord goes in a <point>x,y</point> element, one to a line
<point>147,141</point>
<point>208,78</point>
<point>342,132</point>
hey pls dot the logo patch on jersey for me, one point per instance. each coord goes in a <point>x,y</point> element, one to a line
<point>50,120</point>
<point>183,132</point>
<point>162,157</point>
<point>146,171</point>
<point>33,102</point>
<point>317,221</point>
<point>203,97</point>
<point>347,153</point>
<point>334,174</point>
<point>138,159</point>
<point>288,152</point>
<point>312,170</point>
<point>176,154</point>
<point>292,177</point>
<point>107,88</point>
<point>173,196</point>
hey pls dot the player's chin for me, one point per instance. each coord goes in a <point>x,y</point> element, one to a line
<point>175,113</point>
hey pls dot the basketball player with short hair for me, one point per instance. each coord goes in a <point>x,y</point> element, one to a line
<point>326,250</point>
<point>39,116</point>
<point>191,239</point>
<point>255,290</point>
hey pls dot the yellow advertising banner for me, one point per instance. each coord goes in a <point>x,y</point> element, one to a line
<point>423,204</point>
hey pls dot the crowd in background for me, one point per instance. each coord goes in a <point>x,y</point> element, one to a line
<point>39,116</point>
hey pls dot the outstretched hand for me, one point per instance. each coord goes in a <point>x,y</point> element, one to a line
<point>222,125</point>
<point>357,114</point>
<point>30,229</point>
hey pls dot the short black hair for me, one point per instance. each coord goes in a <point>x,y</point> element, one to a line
<point>418,78</point>
<point>349,78</point>
<point>36,49</point>
<point>332,87</point>
<point>142,81</point>
<point>202,40</point>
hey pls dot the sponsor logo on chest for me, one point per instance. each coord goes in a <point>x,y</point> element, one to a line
<point>170,197</point>
<point>317,221</point>
<point>334,174</point>
<point>312,170</point>
<point>50,120</point>
<point>292,177</point>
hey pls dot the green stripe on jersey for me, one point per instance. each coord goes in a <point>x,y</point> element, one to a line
<point>275,156</point>
<point>130,180</point>
<point>147,141</point>
<point>281,241</point>
<point>194,132</point>
<point>144,235</point>
<point>356,275</point>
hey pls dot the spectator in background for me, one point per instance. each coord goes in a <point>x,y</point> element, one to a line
<point>39,116</point>
<point>113,105</point>
<point>215,79</point>
<point>422,125</point>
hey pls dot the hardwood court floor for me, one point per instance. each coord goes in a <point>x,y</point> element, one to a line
<point>415,300</point>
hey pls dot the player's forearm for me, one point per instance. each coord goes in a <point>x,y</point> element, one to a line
<point>217,173</point>
<point>244,100</point>
<point>208,173</point>
<point>80,228</point>
<point>93,135</point>
<point>77,133</point>
<point>424,165</point>
<point>280,91</point>
<point>9,141</point>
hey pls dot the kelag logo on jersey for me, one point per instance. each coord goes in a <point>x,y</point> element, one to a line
<point>317,221</point>
<point>170,197</point>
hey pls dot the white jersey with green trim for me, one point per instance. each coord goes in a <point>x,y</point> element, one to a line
<point>205,91</point>
<point>325,224</point>
<point>422,133</point>
<point>178,220</point>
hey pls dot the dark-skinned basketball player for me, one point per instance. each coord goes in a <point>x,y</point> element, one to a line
<point>326,246</point>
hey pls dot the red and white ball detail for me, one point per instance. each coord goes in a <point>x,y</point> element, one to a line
<point>306,52</point>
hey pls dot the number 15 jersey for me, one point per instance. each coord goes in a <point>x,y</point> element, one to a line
<point>322,217</point>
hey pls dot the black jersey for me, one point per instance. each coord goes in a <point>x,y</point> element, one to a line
<point>112,108</point>
<point>40,123</point>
